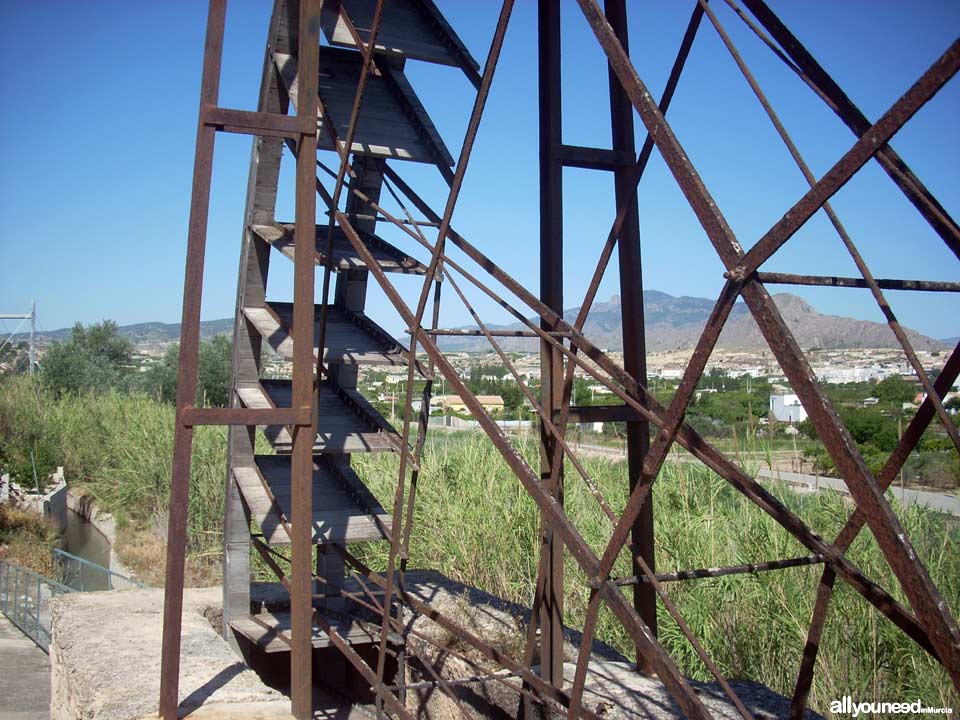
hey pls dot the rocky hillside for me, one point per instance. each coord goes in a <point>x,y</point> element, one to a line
<point>675,323</point>
<point>148,333</point>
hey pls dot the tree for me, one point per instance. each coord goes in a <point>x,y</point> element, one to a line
<point>895,390</point>
<point>869,427</point>
<point>160,379</point>
<point>93,359</point>
<point>213,373</point>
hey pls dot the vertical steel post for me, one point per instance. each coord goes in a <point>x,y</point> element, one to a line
<point>187,374</point>
<point>304,394</point>
<point>36,625</point>
<point>33,335</point>
<point>551,293</point>
<point>631,305</point>
<point>262,181</point>
<point>16,593</point>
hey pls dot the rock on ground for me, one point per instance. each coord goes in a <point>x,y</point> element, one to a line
<point>614,690</point>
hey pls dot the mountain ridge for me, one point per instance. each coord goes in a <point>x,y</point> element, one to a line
<point>675,323</point>
<point>672,323</point>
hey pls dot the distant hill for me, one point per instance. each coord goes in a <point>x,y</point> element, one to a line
<point>148,333</point>
<point>675,323</point>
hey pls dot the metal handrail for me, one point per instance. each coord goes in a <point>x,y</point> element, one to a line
<point>24,599</point>
<point>69,570</point>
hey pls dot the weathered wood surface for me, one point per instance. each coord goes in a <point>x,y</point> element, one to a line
<point>271,631</point>
<point>408,29</point>
<point>392,123</point>
<point>351,337</point>
<point>345,256</point>
<point>341,428</point>
<point>344,510</point>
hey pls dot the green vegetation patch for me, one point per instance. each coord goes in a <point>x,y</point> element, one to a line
<point>475,523</point>
<point>27,539</point>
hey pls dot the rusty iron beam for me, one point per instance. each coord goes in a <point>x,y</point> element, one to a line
<point>844,236</point>
<point>909,439</point>
<point>463,332</point>
<point>633,332</point>
<point>414,322</point>
<point>594,158</point>
<point>187,371</point>
<point>714,572</point>
<point>777,278</point>
<point>914,579</point>
<point>799,59</point>
<point>550,118</point>
<point>257,123</point>
<point>303,386</point>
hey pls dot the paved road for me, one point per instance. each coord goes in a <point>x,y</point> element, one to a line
<point>935,501</point>
<point>943,502</point>
<point>24,674</point>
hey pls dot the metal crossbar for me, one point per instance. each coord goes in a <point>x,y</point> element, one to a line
<point>83,575</point>
<point>564,350</point>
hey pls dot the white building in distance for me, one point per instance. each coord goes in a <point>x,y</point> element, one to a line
<point>787,408</point>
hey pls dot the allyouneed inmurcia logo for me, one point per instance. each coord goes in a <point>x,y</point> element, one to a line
<point>847,706</point>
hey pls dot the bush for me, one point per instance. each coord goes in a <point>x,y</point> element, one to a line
<point>94,359</point>
<point>27,539</point>
<point>213,374</point>
<point>116,446</point>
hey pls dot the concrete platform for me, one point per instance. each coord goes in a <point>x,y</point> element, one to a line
<point>105,659</point>
<point>24,676</point>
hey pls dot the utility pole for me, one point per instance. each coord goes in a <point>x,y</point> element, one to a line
<point>32,317</point>
<point>33,335</point>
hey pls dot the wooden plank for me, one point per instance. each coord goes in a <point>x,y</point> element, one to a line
<point>407,30</point>
<point>340,429</point>
<point>345,257</point>
<point>275,469</point>
<point>271,631</point>
<point>342,505</point>
<point>386,128</point>
<point>351,337</point>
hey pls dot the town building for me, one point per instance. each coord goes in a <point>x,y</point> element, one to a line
<point>787,408</point>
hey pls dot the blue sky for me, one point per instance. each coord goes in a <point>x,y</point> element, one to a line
<point>99,119</point>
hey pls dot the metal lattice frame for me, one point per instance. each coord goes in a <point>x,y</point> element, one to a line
<point>564,349</point>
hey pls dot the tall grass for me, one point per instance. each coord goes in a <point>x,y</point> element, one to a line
<point>116,447</point>
<point>475,523</point>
